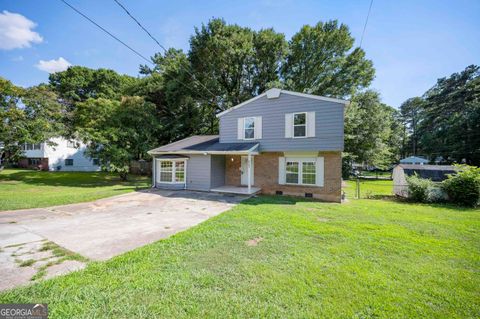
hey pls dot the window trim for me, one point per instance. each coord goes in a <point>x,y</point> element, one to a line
<point>300,162</point>
<point>174,171</point>
<point>72,144</point>
<point>245,128</point>
<point>293,125</point>
<point>25,147</point>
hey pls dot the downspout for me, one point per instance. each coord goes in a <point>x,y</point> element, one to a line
<point>153,171</point>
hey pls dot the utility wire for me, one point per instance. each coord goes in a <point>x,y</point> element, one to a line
<point>106,31</point>
<point>366,21</point>
<point>158,43</point>
<point>113,36</point>
<point>140,25</point>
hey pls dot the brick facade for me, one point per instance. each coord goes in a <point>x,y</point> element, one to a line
<point>266,176</point>
<point>43,166</point>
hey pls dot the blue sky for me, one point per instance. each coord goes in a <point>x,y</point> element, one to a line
<point>411,42</point>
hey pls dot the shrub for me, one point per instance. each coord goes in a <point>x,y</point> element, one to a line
<point>418,188</point>
<point>463,188</point>
<point>436,194</point>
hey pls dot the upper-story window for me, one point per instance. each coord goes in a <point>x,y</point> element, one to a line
<point>299,124</point>
<point>32,147</point>
<point>249,128</point>
<point>71,144</point>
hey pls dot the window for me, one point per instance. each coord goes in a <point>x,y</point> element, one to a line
<point>249,128</point>
<point>96,161</point>
<point>179,172</point>
<point>68,162</point>
<point>308,173</point>
<point>299,124</point>
<point>301,172</point>
<point>71,144</point>
<point>171,171</point>
<point>166,170</point>
<point>292,172</point>
<point>32,147</point>
<point>33,161</point>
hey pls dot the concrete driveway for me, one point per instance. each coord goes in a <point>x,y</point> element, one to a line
<point>96,230</point>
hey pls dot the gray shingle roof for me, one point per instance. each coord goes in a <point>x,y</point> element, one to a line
<point>436,173</point>
<point>203,143</point>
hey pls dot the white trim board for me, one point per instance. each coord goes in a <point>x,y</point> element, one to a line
<point>269,92</point>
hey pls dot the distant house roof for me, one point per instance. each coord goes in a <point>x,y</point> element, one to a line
<point>436,173</point>
<point>414,160</point>
<point>199,144</point>
<point>275,93</point>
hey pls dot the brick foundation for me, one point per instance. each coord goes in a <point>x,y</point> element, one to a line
<point>266,176</point>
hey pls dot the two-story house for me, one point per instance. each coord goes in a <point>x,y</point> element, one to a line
<point>279,142</point>
<point>59,154</point>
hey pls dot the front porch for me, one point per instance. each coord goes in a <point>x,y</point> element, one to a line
<point>240,190</point>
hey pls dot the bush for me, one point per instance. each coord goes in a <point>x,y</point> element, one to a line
<point>463,188</point>
<point>418,188</point>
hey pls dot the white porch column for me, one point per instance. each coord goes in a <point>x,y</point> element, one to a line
<point>249,169</point>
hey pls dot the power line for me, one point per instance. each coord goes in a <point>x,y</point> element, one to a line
<point>158,43</point>
<point>366,21</point>
<point>106,31</point>
<point>140,25</point>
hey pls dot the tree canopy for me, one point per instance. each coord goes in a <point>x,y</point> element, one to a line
<point>444,124</point>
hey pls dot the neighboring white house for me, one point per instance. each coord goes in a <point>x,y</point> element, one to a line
<point>414,160</point>
<point>64,155</point>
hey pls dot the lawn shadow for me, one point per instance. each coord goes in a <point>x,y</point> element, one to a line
<point>70,179</point>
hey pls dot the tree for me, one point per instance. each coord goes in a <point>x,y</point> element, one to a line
<point>411,111</point>
<point>369,137</point>
<point>79,83</point>
<point>30,115</point>
<point>450,123</point>
<point>179,109</point>
<point>117,132</point>
<point>234,63</point>
<point>321,61</point>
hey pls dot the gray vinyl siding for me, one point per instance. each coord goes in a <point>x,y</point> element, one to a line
<point>328,124</point>
<point>169,185</point>
<point>198,172</point>
<point>217,171</point>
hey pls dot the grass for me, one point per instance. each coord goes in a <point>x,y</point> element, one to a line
<point>61,255</point>
<point>285,257</point>
<point>369,188</point>
<point>20,189</point>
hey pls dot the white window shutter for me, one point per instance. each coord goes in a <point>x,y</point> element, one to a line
<point>310,124</point>
<point>281,170</point>
<point>258,127</point>
<point>320,168</point>
<point>288,125</point>
<point>240,127</point>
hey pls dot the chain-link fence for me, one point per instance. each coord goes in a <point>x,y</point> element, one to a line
<point>372,188</point>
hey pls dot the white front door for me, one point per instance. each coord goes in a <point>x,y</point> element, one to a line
<point>244,170</point>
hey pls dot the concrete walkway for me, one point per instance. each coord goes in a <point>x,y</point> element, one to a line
<point>98,230</point>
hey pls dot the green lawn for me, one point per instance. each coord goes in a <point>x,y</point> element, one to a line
<point>282,257</point>
<point>29,189</point>
<point>369,188</point>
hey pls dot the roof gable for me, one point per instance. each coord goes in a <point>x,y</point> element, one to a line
<point>275,93</point>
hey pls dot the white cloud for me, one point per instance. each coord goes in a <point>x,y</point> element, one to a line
<point>17,58</point>
<point>52,66</point>
<point>16,31</point>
